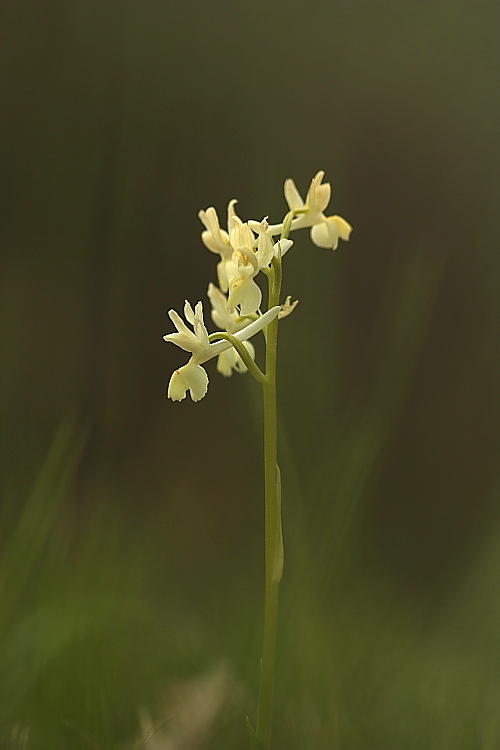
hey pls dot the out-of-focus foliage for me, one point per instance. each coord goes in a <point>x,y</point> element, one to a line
<point>130,560</point>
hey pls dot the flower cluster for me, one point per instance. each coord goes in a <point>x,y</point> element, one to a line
<point>245,249</point>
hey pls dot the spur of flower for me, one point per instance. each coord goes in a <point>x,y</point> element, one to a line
<point>192,376</point>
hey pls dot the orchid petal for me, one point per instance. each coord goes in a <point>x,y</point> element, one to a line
<point>241,236</point>
<point>343,227</point>
<point>197,341</point>
<point>324,235</point>
<point>322,197</point>
<point>214,238</point>
<point>246,294</point>
<point>179,323</point>
<point>292,195</point>
<point>190,377</point>
<point>265,249</point>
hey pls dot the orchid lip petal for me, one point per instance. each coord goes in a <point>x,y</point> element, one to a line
<point>191,377</point>
<point>246,294</point>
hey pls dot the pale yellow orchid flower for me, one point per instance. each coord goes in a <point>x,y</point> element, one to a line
<point>326,231</point>
<point>192,377</point>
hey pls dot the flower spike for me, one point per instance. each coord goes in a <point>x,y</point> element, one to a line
<point>245,249</point>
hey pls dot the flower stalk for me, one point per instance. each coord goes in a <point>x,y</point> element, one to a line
<point>273,537</point>
<point>247,249</point>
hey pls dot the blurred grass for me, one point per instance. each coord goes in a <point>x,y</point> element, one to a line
<point>74,626</point>
<point>85,644</point>
<point>96,624</point>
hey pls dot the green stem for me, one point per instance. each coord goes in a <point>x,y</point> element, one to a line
<point>273,537</point>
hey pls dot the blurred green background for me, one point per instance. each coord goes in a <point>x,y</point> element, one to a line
<point>131,527</point>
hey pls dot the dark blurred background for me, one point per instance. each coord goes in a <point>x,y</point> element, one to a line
<point>131,535</point>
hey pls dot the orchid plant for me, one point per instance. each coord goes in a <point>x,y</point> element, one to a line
<point>246,250</point>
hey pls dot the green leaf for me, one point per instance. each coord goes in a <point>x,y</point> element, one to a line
<point>255,743</point>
